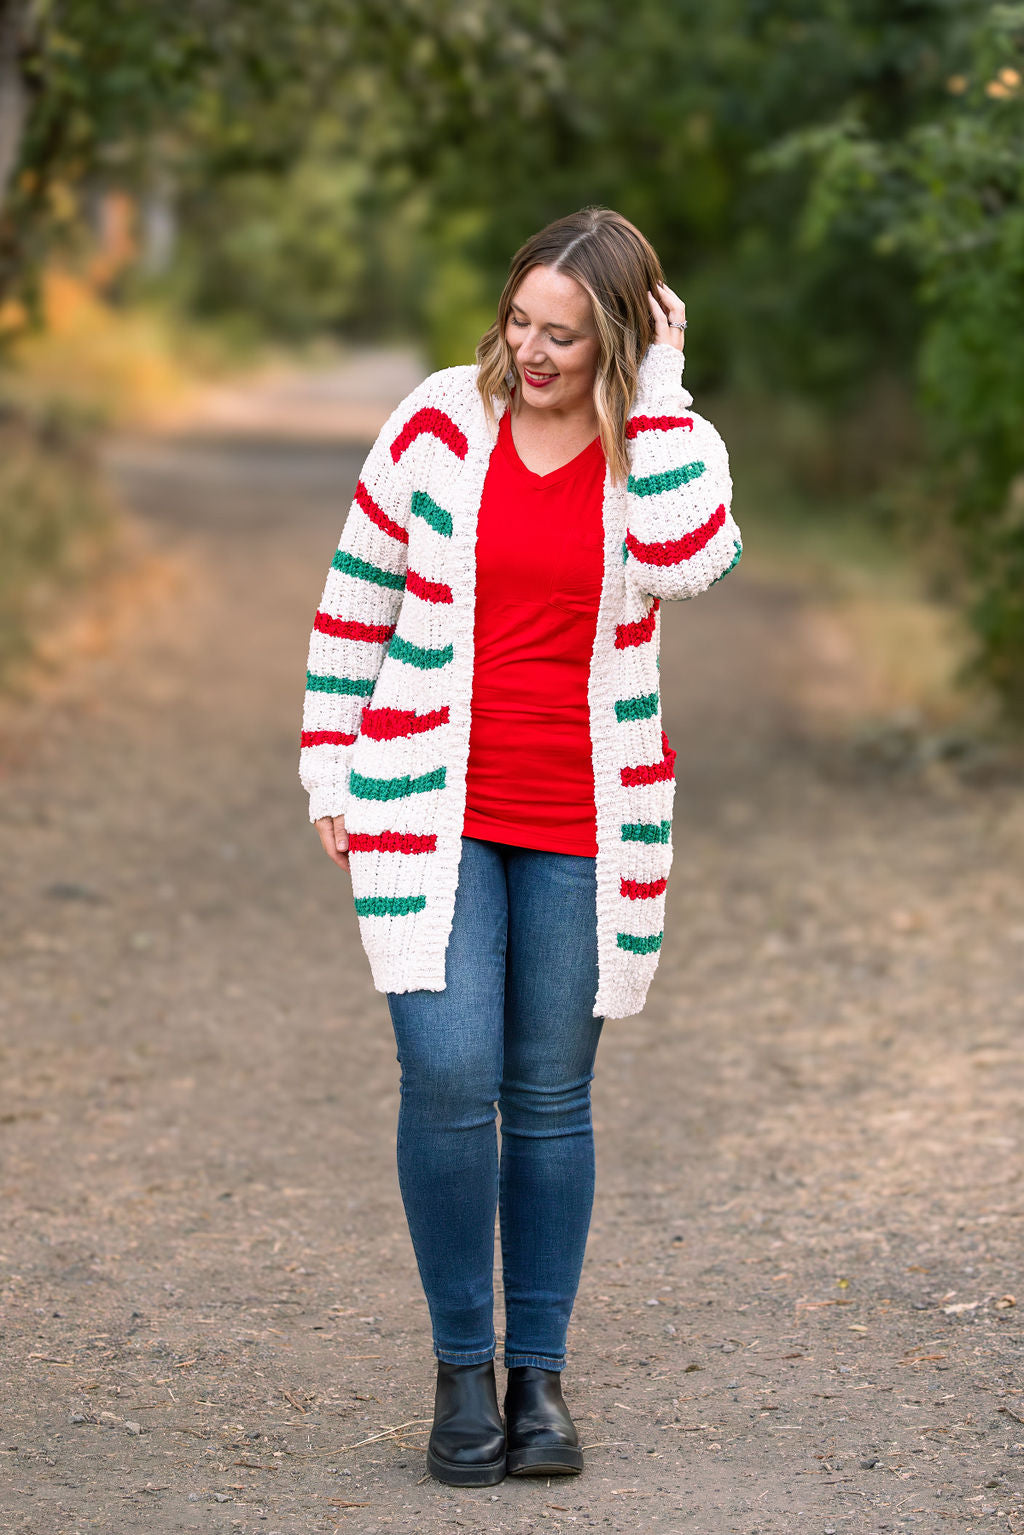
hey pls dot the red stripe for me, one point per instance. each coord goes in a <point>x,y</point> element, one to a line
<point>352,629</point>
<point>440,425</point>
<point>637,424</point>
<point>430,591</point>
<point>677,549</point>
<point>391,842</point>
<point>386,724</point>
<point>326,738</point>
<point>651,772</point>
<point>638,633</point>
<point>640,892</point>
<point>378,515</point>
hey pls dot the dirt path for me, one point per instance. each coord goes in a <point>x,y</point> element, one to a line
<point>797,1308</point>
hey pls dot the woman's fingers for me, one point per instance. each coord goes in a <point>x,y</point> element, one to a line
<point>674,305</point>
<point>661,330</point>
<point>334,838</point>
<point>670,308</point>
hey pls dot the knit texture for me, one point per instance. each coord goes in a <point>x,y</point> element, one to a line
<point>385,738</point>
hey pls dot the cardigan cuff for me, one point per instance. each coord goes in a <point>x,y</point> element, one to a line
<point>661,374</point>
<point>327,799</point>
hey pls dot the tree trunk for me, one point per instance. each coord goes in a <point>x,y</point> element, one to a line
<point>13,96</point>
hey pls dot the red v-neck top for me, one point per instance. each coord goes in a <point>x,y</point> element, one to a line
<point>540,564</point>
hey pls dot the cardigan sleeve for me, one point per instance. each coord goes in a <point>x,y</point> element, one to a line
<point>357,615</point>
<point>680,533</point>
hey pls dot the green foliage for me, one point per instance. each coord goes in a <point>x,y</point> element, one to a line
<point>835,189</point>
<point>287,250</point>
<point>946,194</point>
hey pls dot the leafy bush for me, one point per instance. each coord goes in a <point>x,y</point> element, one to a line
<point>947,194</point>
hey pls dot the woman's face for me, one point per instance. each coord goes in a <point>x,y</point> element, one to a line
<point>554,340</point>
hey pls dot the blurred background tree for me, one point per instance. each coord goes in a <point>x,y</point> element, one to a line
<point>835,189</point>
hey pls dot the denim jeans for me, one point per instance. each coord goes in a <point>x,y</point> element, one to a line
<point>513,1031</point>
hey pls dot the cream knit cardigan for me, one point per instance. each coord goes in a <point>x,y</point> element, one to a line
<point>386,722</point>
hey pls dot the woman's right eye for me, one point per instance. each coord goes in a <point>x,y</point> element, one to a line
<point>513,321</point>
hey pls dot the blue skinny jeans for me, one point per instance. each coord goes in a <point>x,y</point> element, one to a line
<point>513,1031</point>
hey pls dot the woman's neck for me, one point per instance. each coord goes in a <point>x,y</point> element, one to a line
<point>546,439</point>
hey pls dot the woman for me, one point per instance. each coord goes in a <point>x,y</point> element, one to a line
<point>483,751</point>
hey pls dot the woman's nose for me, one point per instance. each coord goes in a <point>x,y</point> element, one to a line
<point>530,346</point>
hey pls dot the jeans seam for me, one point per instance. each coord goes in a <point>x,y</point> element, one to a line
<point>466,1356</point>
<point>516,1359</point>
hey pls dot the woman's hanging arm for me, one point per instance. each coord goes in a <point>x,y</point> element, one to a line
<point>356,617</point>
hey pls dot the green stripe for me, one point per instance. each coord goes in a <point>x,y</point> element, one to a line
<point>625,551</point>
<point>636,945</point>
<point>669,479</point>
<point>644,708</point>
<point>419,655</point>
<point>424,506</point>
<point>352,565</point>
<point>395,788</point>
<point>646,831</point>
<point>388,905</point>
<point>738,547</point>
<point>361,685</point>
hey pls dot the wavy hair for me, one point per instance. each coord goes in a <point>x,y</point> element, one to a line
<point>611,259</point>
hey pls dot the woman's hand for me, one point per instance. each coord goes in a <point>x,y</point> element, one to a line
<point>334,838</point>
<point>666,306</point>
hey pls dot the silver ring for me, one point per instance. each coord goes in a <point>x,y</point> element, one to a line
<point>675,325</point>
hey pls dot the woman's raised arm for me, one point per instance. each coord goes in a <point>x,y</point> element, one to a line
<point>680,533</point>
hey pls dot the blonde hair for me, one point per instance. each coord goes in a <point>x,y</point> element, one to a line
<point>609,257</point>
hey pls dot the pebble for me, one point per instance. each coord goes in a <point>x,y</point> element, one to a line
<point>869,1462</point>
<point>71,890</point>
<point>133,1428</point>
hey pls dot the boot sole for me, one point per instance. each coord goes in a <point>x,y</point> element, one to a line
<point>545,1460</point>
<point>484,1474</point>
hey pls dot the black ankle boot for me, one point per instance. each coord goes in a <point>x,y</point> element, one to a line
<point>541,1438</point>
<point>467,1442</point>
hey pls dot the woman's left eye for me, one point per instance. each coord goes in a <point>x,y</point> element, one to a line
<point>559,343</point>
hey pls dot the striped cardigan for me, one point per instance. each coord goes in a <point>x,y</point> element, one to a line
<point>385,737</point>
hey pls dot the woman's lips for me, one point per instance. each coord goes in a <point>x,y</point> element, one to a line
<point>538,380</point>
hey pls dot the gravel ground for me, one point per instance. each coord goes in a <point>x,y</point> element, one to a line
<point>800,1309</point>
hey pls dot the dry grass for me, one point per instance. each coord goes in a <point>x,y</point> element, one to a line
<point>126,366</point>
<point>830,509</point>
<point>58,527</point>
<point>69,559</point>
